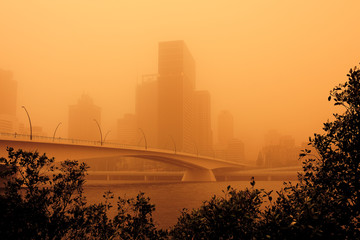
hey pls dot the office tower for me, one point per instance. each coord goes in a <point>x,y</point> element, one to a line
<point>8,97</point>
<point>228,147</point>
<point>225,128</point>
<point>176,69</point>
<point>235,150</point>
<point>82,116</point>
<point>127,130</point>
<point>146,108</point>
<point>202,122</point>
<point>280,150</point>
<point>272,138</point>
<point>8,93</point>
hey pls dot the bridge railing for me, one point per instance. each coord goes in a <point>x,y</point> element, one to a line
<point>46,139</point>
<point>39,138</point>
<point>18,136</point>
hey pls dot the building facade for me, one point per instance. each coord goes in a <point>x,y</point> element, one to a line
<point>8,102</point>
<point>280,150</point>
<point>225,128</point>
<point>176,69</point>
<point>127,130</point>
<point>202,122</point>
<point>83,119</point>
<point>146,109</point>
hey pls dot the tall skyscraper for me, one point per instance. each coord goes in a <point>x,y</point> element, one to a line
<point>146,108</point>
<point>280,150</point>
<point>8,102</point>
<point>228,147</point>
<point>176,69</point>
<point>225,128</point>
<point>235,150</point>
<point>82,116</point>
<point>127,130</point>
<point>202,122</point>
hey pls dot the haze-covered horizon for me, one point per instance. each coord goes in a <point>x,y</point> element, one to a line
<point>271,64</point>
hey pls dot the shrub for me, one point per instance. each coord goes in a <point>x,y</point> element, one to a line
<point>326,202</point>
<point>42,200</point>
<point>234,216</point>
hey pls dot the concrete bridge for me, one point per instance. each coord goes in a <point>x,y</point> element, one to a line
<point>198,168</point>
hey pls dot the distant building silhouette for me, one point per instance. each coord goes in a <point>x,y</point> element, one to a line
<point>272,138</point>
<point>146,108</point>
<point>228,147</point>
<point>176,69</point>
<point>280,150</point>
<point>260,159</point>
<point>8,102</point>
<point>235,150</point>
<point>202,122</point>
<point>127,130</point>
<point>225,128</point>
<point>81,120</point>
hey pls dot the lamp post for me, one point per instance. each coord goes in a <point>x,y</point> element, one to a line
<point>172,139</point>
<point>144,137</point>
<point>56,130</point>
<point>100,131</point>
<point>29,121</point>
<point>106,135</point>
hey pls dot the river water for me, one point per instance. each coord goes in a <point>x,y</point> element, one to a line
<point>169,197</point>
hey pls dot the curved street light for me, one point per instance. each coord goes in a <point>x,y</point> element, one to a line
<point>29,121</point>
<point>56,130</point>
<point>101,142</point>
<point>106,135</point>
<point>144,138</point>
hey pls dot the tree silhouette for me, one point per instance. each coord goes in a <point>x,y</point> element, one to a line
<point>44,200</point>
<point>326,202</point>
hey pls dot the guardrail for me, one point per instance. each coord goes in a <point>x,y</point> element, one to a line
<point>17,136</point>
<point>60,140</point>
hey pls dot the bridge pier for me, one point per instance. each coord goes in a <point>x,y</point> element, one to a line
<point>198,175</point>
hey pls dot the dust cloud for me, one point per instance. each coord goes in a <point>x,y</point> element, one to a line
<point>269,64</point>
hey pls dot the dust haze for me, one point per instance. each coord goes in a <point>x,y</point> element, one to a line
<point>269,64</point>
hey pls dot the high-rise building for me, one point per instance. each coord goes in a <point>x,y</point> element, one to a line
<point>225,128</point>
<point>280,150</point>
<point>127,130</point>
<point>228,147</point>
<point>83,119</point>
<point>146,108</point>
<point>8,97</point>
<point>272,138</point>
<point>8,93</point>
<point>202,122</point>
<point>176,69</point>
<point>235,150</point>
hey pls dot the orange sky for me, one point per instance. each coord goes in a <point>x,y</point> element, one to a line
<point>271,63</point>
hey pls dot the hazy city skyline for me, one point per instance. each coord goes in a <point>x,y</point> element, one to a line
<point>270,64</point>
<point>170,112</point>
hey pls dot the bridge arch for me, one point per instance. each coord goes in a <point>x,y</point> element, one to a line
<point>199,168</point>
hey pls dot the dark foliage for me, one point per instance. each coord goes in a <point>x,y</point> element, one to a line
<point>325,204</point>
<point>44,201</point>
<point>234,216</point>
